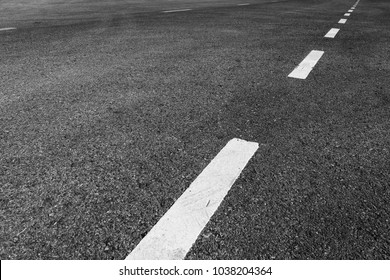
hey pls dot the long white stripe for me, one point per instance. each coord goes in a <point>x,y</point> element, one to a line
<point>332,33</point>
<point>305,67</point>
<point>175,11</point>
<point>342,21</point>
<point>7,28</point>
<point>175,233</point>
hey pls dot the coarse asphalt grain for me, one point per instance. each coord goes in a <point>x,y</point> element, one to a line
<point>108,114</point>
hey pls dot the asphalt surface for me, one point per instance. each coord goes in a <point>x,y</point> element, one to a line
<point>110,109</point>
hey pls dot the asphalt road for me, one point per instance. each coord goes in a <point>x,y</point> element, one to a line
<point>109,109</point>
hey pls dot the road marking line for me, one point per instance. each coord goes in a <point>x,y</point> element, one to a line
<point>175,11</point>
<point>347,14</point>
<point>245,4</point>
<point>7,28</point>
<point>342,21</point>
<point>332,33</point>
<point>350,11</point>
<point>305,67</point>
<point>175,233</point>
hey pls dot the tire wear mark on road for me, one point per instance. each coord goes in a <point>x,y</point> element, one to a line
<point>175,233</point>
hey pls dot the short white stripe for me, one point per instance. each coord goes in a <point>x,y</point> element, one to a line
<point>7,28</point>
<point>332,33</point>
<point>175,233</point>
<point>347,14</point>
<point>342,21</point>
<point>174,11</point>
<point>305,67</point>
<point>350,11</point>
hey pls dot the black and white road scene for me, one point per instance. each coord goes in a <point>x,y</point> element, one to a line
<point>194,129</point>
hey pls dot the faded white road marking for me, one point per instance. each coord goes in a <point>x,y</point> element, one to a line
<point>342,21</point>
<point>175,11</point>
<point>347,14</point>
<point>305,67</point>
<point>175,233</point>
<point>245,4</point>
<point>332,33</point>
<point>350,11</point>
<point>7,28</point>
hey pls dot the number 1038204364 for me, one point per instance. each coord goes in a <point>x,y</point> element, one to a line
<point>242,270</point>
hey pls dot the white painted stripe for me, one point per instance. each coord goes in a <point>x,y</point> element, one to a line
<point>305,67</point>
<point>245,4</point>
<point>175,11</point>
<point>332,33</point>
<point>342,21</point>
<point>347,14</point>
<point>175,233</point>
<point>350,11</point>
<point>7,28</point>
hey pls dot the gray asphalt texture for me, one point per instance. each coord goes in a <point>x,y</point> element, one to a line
<point>110,109</point>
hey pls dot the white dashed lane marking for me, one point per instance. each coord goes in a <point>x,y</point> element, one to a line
<point>7,28</point>
<point>350,11</point>
<point>342,21</point>
<point>332,33</point>
<point>305,67</point>
<point>175,233</point>
<point>347,14</point>
<point>175,11</point>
